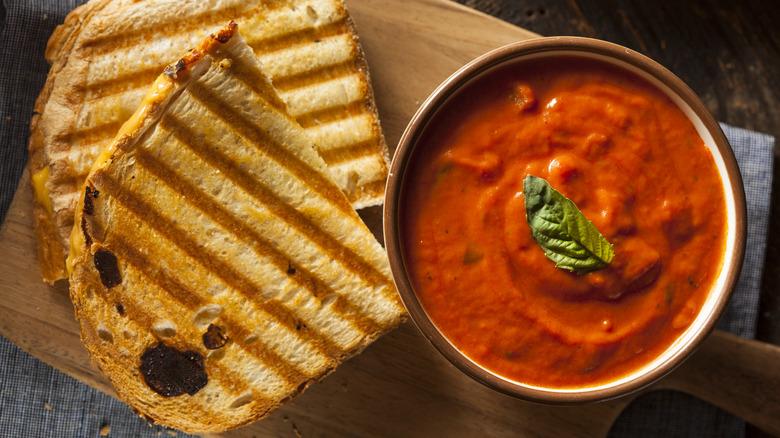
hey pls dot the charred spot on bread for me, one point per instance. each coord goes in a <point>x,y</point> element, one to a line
<point>214,339</point>
<point>223,36</point>
<point>87,237</point>
<point>108,267</point>
<point>172,70</point>
<point>226,33</point>
<point>89,195</point>
<point>120,309</point>
<point>171,373</point>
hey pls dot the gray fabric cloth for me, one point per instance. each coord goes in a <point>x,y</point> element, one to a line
<point>38,401</point>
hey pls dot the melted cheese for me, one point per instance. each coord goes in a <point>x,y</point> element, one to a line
<point>77,241</point>
<point>159,92</point>
<point>39,183</point>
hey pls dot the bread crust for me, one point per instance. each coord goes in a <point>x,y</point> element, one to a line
<point>374,195</point>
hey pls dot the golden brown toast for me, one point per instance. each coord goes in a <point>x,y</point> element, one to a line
<point>108,52</point>
<point>217,271</point>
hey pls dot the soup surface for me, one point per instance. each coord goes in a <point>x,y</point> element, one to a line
<point>633,164</point>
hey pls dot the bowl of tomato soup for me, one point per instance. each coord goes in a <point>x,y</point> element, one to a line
<point>565,220</point>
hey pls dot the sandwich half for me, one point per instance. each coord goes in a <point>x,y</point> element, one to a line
<point>217,271</point>
<point>108,52</point>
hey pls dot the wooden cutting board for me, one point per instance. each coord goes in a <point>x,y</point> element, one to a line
<point>400,386</point>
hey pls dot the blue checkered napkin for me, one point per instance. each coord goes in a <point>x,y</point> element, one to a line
<point>38,401</point>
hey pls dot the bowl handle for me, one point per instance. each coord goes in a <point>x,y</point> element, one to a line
<point>738,375</point>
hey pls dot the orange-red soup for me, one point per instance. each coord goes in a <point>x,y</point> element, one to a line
<point>634,165</point>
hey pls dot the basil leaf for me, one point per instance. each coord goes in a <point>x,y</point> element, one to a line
<point>563,232</point>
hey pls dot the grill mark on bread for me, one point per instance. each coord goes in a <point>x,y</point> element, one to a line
<point>333,156</point>
<point>229,276</point>
<point>140,80</point>
<point>288,319</point>
<point>377,186</point>
<point>74,158</point>
<point>130,81</point>
<point>300,37</point>
<point>206,20</point>
<point>92,135</point>
<point>315,180</point>
<point>265,196</point>
<point>189,299</point>
<point>300,275</point>
<point>127,83</point>
<point>253,79</point>
<point>74,182</point>
<point>313,76</point>
<point>176,23</point>
<point>105,131</point>
<point>327,115</point>
<point>343,155</point>
<point>186,296</point>
<point>188,24</point>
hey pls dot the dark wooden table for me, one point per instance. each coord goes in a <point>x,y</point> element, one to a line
<point>727,51</point>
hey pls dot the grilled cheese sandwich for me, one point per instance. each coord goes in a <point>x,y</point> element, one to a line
<point>217,270</point>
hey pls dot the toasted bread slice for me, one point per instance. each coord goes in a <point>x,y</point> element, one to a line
<point>108,52</point>
<point>216,270</point>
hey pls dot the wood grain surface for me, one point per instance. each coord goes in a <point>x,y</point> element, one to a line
<point>400,386</point>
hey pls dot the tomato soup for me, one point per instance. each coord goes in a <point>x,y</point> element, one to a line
<point>635,166</point>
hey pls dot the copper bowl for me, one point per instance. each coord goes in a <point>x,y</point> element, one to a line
<point>708,129</point>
